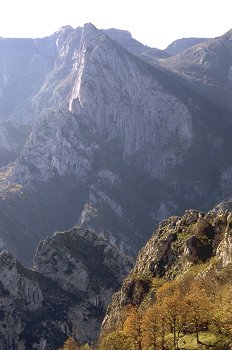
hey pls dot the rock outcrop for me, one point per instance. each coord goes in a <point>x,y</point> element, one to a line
<point>66,294</point>
<point>179,244</point>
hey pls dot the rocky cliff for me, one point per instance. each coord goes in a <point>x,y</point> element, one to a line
<point>181,244</point>
<point>66,294</point>
<point>116,144</point>
<point>76,272</point>
<point>105,107</point>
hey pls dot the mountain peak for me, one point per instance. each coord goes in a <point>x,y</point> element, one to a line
<point>228,34</point>
<point>64,28</point>
<point>89,26</point>
<point>89,32</point>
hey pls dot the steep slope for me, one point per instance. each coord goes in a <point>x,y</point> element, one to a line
<point>106,136</point>
<point>196,245</point>
<point>207,67</point>
<point>124,38</point>
<point>12,140</point>
<point>66,295</point>
<point>117,146</point>
<point>183,44</point>
<point>24,63</point>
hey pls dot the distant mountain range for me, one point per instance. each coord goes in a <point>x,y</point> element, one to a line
<point>183,44</point>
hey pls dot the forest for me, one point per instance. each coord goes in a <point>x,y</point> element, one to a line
<point>193,311</point>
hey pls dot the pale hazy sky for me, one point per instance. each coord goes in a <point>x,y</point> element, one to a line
<point>155,23</point>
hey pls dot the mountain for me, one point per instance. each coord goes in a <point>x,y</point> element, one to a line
<point>24,63</point>
<point>146,53</point>
<point>117,144</point>
<point>107,143</point>
<point>180,45</point>
<point>94,147</point>
<point>207,67</point>
<point>76,272</point>
<point>65,294</point>
<point>192,251</point>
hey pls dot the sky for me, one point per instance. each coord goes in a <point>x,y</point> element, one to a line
<point>153,22</point>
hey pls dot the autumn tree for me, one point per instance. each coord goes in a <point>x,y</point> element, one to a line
<point>199,306</point>
<point>116,341</point>
<point>153,328</point>
<point>174,309</point>
<point>70,344</point>
<point>85,347</point>
<point>132,327</point>
<point>222,309</point>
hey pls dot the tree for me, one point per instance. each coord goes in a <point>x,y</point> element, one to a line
<point>85,347</point>
<point>70,344</point>
<point>116,341</point>
<point>199,306</point>
<point>174,309</point>
<point>222,309</point>
<point>153,328</point>
<point>132,327</point>
<point>175,312</point>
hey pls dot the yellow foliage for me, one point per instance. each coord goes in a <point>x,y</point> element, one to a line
<point>132,327</point>
<point>116,341</point>
<point>70,344</point>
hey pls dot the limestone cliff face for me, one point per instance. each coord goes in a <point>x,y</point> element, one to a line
<point>178,244</point>
<point>20,295</point>
<point>82,262</point>
<point>107,91</point>
<point>111,132</point>
<point>67,293</point>
<point>131,142</point>
<point>55,147</point>
<point>106,101</point>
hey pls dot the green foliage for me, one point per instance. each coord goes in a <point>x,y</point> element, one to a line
<point>116,341</point>
<point>85,347</point>
<point>208,340</point>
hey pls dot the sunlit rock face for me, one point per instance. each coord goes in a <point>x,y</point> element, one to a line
<point>106,104</point>
<point>179,244</point>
